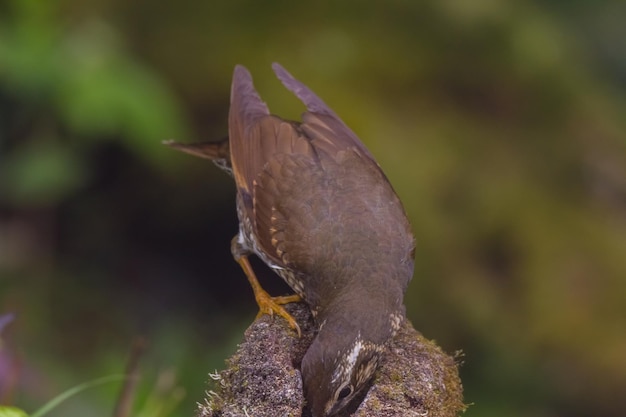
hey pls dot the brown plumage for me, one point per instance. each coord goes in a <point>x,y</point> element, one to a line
<point>316,207</point>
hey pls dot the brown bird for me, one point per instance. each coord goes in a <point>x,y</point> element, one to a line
<point>315,206</point>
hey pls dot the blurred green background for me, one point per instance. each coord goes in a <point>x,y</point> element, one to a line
<point>501,124</point>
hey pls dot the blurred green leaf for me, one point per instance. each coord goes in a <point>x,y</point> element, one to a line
<point>56,401</point>
<point>105,93</point>
<point>11,412</point>
<point>89,82</point>
<point>41,174</point>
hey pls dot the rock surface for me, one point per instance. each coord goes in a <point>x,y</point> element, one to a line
<point>263,379</point>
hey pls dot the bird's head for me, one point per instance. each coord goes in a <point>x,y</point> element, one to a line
<point>335,369</point>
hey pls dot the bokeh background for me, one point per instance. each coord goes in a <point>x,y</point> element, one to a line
<point>501,124</point>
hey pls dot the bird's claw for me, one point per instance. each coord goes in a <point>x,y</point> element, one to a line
<point>270,305</point>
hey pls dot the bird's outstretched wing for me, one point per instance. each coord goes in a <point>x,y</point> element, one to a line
<point>326,131</point>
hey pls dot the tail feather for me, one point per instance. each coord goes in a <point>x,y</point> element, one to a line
<point>208,150</point>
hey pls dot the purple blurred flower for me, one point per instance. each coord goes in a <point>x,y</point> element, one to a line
<point>5,319</point>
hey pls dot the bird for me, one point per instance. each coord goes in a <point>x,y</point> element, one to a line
<point>316,207</point>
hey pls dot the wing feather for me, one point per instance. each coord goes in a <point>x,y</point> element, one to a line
<point>326,130</point>
<point>274,158</point>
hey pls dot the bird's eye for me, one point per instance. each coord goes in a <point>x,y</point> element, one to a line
<point>345,391</point>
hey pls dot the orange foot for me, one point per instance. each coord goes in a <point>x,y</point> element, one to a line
<point>270,305</point>
<point>267,304</point>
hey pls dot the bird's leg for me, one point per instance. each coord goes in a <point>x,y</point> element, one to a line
<point>267,304</point>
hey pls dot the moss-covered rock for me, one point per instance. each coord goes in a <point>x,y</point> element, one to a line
<point>263,379</point>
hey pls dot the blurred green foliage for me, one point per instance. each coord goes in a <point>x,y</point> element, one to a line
<point>502,125</point>
<point>77,84</point>
<point>11,412</point>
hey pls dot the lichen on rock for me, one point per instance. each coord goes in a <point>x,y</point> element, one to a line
<point>262,378</point>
